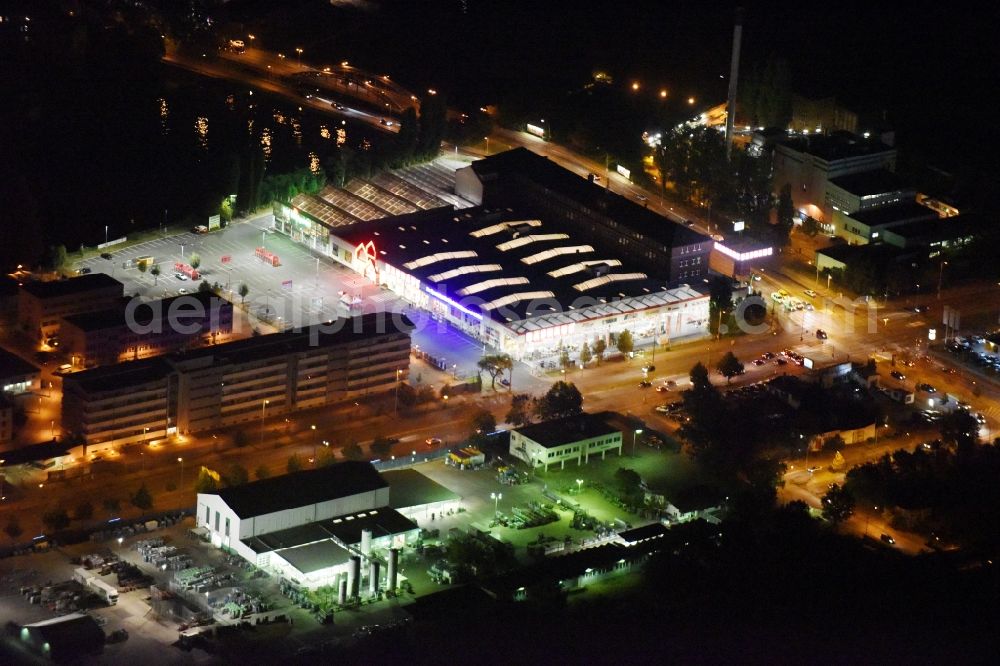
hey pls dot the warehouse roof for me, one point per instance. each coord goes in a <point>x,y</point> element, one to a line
<point>301,488</point>
<point>567,430</point>
<point>935,229</point>
<point>409,488</point>
<point>835,146</point>
<point>315,556</point>
<point>68,636</point>
<point>525,164</point>
<point>644,533</point>
<point>868,183</point>
<point>508,265</point>
<point>77,285</point>
<point>382,522</point>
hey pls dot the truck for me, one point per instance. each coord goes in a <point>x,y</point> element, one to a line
<point>107,592</point>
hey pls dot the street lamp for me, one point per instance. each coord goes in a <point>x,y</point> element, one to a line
<point>181,461</point>
<point>496,497</point>
<point>691,101</point>
<point>395,408</point>
<point>298,52</point>
<point>579,486</point>
<point>487,139</point>
<point>313,428</point>
<point>635,436</point>
<point>940,278</point>
<point>663,94</point>
<point>263,407</point>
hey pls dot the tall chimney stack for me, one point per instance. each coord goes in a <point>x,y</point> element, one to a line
<point>734,74</point>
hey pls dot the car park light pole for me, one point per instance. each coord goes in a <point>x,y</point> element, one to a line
<point>496,497</point>
<point>263,407</point>
<point>635,436</point>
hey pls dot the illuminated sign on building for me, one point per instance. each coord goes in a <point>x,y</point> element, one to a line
<point>744,256</point>
<point>536,130</point>
<point>739,225</point>
<point>623,171</point>
<point>365,253</point>
<point>447,301</point>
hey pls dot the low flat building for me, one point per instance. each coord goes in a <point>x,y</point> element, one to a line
<point>64,638</point>
<point>41,306</point>
<point>866,189</point>
<point>574,438</point>
<point>236,382</point>
<point>128,332</point>
<point>868,225</point>
<point>16,374</point>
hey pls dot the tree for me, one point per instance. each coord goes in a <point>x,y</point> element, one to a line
<point>204,287</point>
<point>406,394</point>
<point>142,499</point>
<point>720,290</point>
<point>565,362</point>
<point>729,366</point>
<point>206,482</point>
<point>382,446</point>
<point>353,452</point>
<point>838,504</point>
<point>630,486</point>
<point>262,472</point>
<point>57,257</point>
<point>84,510</point>
<point>495,365</point>
<point>562,399</point>
<point>13,528</point>
<point>810,227</point>
<point>294,464</point>
<point>786,213</point>
<point>600,346</point>
<point>483,422</point>
<point>142,266</point>
<point>236,475</point>
<point>112,505</point>
<point>55,520</point>
<point>585,354</point>
<point>960,428</point>
<point>195,260</point>
<point>624,342</point>
<point>833,443</point>
<point>155,272</point>
<point>243,291</point>
<point>520,410</point>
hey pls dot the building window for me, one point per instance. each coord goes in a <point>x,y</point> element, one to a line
<point>227,527</point>
<point>216,521</point>
<point>208,515</point>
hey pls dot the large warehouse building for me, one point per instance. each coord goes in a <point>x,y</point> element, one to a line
<point>547,260</point>
<point>312,527</point>
<point>236,382</point>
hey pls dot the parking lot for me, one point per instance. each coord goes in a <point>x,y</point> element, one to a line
<point>304,289</point>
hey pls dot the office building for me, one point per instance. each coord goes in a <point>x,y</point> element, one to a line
<point>136,330</point>
<point>236,382</point>
<point>16,374</point>
<point>41,306</point>
<point>574,438</point>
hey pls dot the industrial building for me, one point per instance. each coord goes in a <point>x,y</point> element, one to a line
<point>41,306</point>
<point>809,162</point>
<point>418,497</point>
<point>575,438</point>
<point>64,638</point>
<point>534,185</point>
<point>314,527</point>
<point>546,259</point>
<point>236,382</point>
<point>869,224</point>
<point>135,330</point>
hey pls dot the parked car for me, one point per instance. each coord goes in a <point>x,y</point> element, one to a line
<point>645,384</point>
<point>84,271</point>
<point>649,368</point>
<point>106,255</point>
<point>888,539</point>
<point>810,293</point>
<point>431,442</point>
<point>821,334</point>
<point>180,276</point>
<point>926,388</point>
<point>897,375</point>
<point>200,229</point>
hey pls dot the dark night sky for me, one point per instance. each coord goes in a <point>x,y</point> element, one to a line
<point>927,65</point>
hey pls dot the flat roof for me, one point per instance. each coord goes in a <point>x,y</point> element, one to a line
<point>383,521</point>
<point>846,253</point>
<point>566,430</point>
<point>315,556</point>
<point>409,488</point>
<point>644,533</point>
<point>76,285</point>
<point>881,215</point>
<point>944,228</point>
<point>34,453</point>
<point>835,146</point>
<point>508,264</point>
<point>522,162</point>
<point>697,498</point>
<point>303,488</point>
<point>12,365</point>
<point>343,330</point>
<point>144,311</point>
<point>869,183</point>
